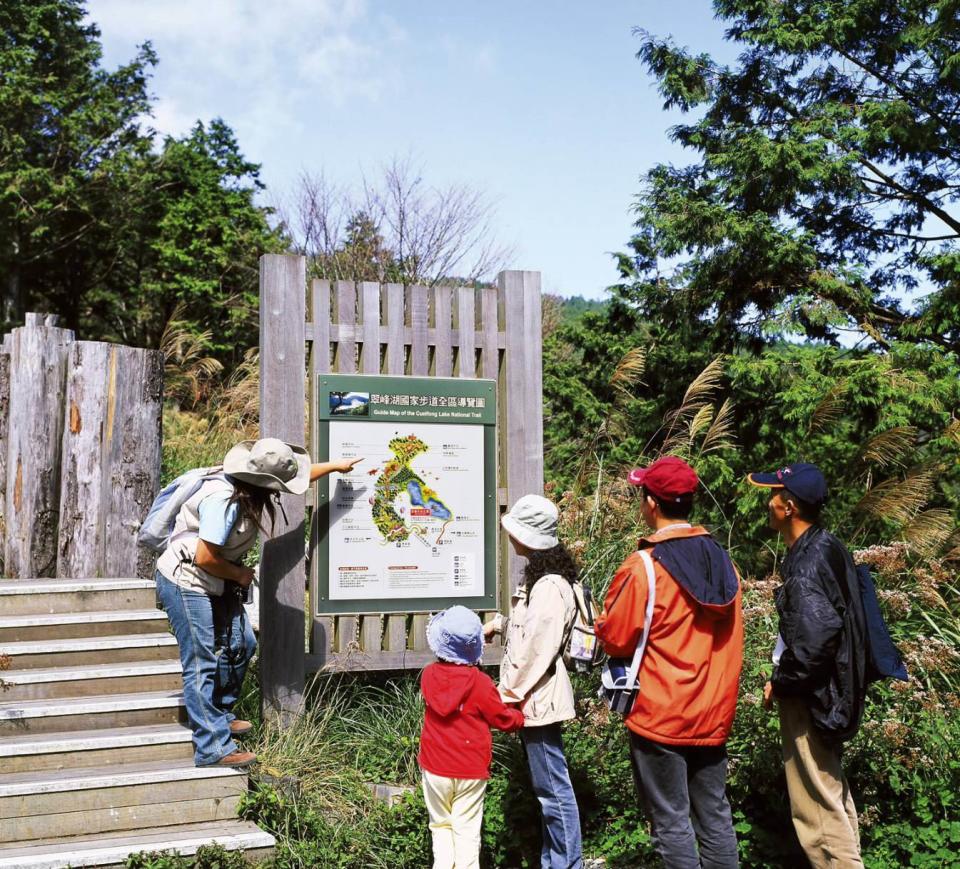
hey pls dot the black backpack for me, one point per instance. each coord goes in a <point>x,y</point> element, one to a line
<point>884,660</point>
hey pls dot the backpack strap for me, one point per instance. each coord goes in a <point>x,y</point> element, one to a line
<point>634,671</point>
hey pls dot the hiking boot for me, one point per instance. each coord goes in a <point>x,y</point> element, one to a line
<point>238,727</point>
<point>236,759</point>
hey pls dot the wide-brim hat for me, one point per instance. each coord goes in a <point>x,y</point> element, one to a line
<point>456,635</point>
<point>533,521</point>
<point>270,464</point>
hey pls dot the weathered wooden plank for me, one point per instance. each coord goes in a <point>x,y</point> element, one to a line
<point>370,633</point>
<point>346,360</point>
<point>282,386</point>
<point>443,348</point>
<point>524,422</point>
<point>110,458</point>
<point>404,659</point>
<point>419,316</point>
<point>395,639</point>
<point>396,339</point>
<point>346,640</point>
<point>370,313</point>
<point>466,329</point>
<point>418,631</point>
<point>4,422</point>
<point>318,363</point>
<point>322,636</point>
<point>320,322</point>
<point>355,333</point>
<point>491,334</point>
<point>533,381</point>
<point>38,370</point>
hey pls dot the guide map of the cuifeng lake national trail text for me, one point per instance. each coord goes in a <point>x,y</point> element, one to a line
<point>408,521</point>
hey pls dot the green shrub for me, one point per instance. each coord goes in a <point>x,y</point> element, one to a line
<point>207,857</point>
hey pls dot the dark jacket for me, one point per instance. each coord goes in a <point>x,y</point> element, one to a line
<point>823,627</point>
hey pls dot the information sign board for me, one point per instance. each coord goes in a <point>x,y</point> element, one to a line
<point>413,526</point>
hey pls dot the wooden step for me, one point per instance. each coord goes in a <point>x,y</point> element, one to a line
<point>75,651</point>
<point>86,748</point>
<point>30,596</point>
<point>91,713</point>
<point>112,849</point>
<point>40,683</point>
<point>75,802</point>
<point>53,626</point>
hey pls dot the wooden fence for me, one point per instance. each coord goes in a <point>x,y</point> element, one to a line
<point>392,329</point>
<point>79,452</point>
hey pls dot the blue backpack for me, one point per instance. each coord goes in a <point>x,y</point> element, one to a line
<point>884,660</point>
<point>158,526</point>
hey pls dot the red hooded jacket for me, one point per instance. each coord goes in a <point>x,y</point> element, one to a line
<point>462,705</point>
<point>691,667</point>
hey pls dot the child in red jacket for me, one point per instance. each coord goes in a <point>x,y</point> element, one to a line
<point>455,745</point>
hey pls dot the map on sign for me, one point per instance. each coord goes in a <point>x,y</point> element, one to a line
<point>396,479</point>
<point>408,521</point>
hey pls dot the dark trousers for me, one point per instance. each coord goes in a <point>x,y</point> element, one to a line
<point>683,789</point>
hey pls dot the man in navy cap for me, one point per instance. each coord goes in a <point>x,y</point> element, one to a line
<point>819,665</point>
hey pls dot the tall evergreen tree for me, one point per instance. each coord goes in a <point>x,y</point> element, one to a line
<point>826,192</point>
<point>68,128</point>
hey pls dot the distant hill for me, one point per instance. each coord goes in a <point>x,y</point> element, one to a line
<point>576,306</point>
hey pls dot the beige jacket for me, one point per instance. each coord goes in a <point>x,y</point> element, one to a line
<point>532,671</point>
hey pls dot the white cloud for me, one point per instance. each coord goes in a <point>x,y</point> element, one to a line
<point>259,65</point>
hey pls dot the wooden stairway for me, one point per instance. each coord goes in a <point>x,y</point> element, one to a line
<point>96,762</point>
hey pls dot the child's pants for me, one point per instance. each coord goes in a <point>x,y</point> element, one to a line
<point>456,815</point>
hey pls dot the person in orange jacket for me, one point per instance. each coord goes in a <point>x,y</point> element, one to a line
<point>689,673</point>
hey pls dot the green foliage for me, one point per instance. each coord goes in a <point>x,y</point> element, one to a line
<point>827,177</point>
<point>207,857</point>
<point>881,425</point>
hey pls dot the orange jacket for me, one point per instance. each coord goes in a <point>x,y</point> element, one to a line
<point>691,668</point>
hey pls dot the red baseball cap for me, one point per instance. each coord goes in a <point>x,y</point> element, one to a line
<point>669,478</point>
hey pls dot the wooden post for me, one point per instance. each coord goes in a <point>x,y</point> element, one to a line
<point>322,632</point>
<point>282,389</point>
<point>38,358</point>
<point>524,394</point>
<point>110,458</point>
<point>4,423</point>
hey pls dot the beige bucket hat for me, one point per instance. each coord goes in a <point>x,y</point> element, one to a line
<point>270,464</point>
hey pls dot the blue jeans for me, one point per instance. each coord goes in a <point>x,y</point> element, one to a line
<point>683,789</point>
<point>551,783</point>
<point>216,644</point>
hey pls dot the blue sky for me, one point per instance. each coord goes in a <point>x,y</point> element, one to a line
<point>542,106</point>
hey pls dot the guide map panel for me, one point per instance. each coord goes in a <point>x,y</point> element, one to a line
<point>412,527</point>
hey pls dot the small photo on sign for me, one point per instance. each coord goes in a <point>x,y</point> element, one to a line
<point>349,403</point>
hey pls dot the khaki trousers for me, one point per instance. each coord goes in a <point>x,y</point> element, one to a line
<point>821,804</point>
<point>455,806</point>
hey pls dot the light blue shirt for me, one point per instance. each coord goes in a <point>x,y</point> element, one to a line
<point>217,517</point>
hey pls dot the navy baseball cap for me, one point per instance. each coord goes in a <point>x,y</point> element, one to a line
<point>802,479</point>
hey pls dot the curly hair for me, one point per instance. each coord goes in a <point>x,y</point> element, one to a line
<point>556,560</point>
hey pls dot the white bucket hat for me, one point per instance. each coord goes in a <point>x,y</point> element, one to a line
<point>270,464</point>
<point>533,521</point>
<point>456,635</point>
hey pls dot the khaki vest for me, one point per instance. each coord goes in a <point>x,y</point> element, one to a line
<point>176,561</point>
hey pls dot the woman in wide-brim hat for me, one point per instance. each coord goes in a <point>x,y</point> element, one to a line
<point>532,672</point>
<point>201,579</point>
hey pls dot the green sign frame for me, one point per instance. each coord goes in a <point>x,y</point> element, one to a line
<point>423,400</point>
